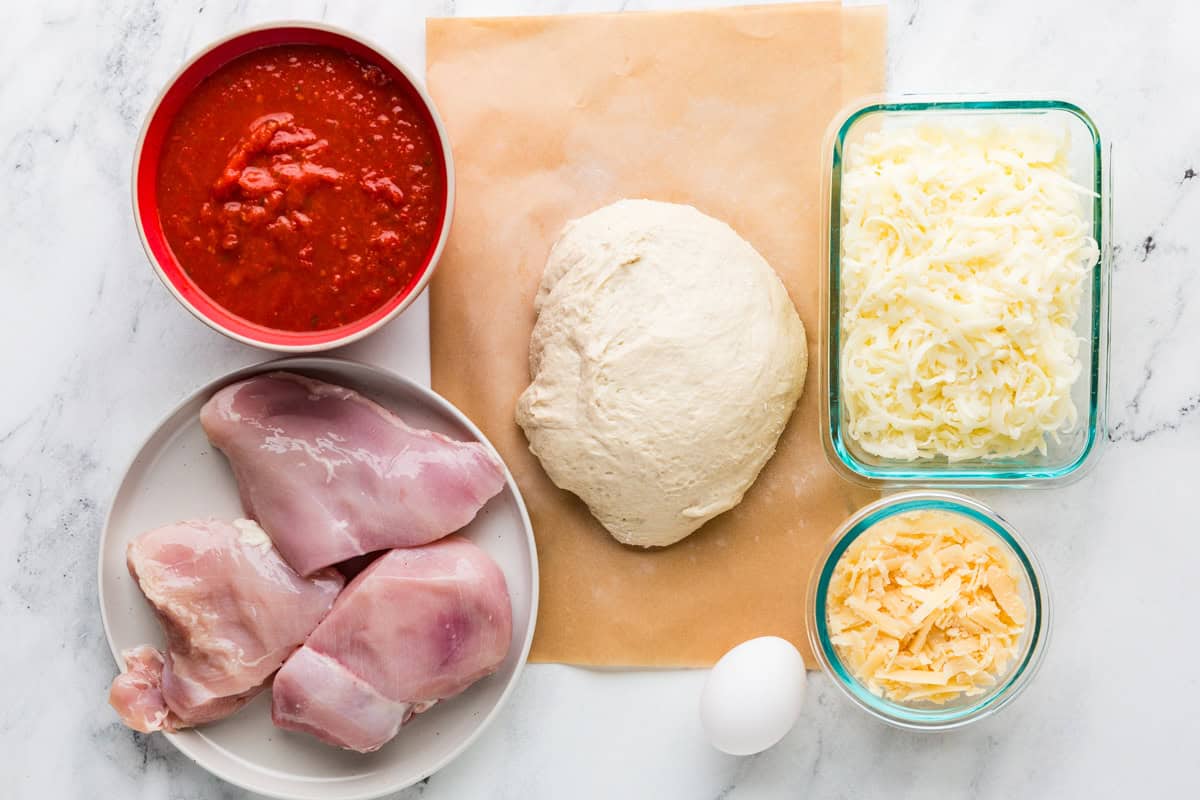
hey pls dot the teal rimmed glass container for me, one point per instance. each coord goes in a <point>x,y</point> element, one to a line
<point>964,710</point>
<point>1076,449</point>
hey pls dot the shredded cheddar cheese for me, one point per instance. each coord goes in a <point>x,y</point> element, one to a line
<point>965,250</point>
<point>925,606</point>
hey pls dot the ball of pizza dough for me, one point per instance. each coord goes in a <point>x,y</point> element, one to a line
<point>666,360</point>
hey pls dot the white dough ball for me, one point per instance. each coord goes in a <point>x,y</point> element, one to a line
<point>753,696</point>
<point>666,360</point>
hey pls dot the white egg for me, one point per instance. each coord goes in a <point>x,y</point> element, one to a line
<point>753,696</point>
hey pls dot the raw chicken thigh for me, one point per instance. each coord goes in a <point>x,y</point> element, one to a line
<point>417,626</point>
<point>232,609</point>
<point>137,695</point>
<point>331,475</point>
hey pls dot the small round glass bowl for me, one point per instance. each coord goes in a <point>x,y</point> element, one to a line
<point>963,710</point>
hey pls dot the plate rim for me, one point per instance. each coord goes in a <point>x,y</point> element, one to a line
<point>301,362</point>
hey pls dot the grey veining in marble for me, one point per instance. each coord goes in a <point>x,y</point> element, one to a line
<point>94,351</point>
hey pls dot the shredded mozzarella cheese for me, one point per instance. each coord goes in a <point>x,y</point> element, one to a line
<point>965,250</point>
<point>925,606</point>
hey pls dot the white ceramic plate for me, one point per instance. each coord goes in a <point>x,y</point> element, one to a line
<point>177,475</point>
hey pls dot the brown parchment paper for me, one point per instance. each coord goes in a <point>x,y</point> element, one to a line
<point>552,117</point>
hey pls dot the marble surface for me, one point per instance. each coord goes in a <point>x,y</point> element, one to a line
<point>94,350</point>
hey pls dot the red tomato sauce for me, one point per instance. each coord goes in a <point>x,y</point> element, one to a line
<point>301,188</point>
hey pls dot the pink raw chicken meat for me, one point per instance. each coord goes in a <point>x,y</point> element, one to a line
<point>137,695</point>
<point>417,626</point>
<point>232,609</point>
<point>331,475</point>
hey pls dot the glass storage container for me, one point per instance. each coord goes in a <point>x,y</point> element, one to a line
<point>1077,448</point>
<point>965,709</point>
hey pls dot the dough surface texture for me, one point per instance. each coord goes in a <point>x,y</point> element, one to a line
<point>666,360</point>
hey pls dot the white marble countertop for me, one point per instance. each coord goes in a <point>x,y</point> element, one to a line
<point>95,350</point>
